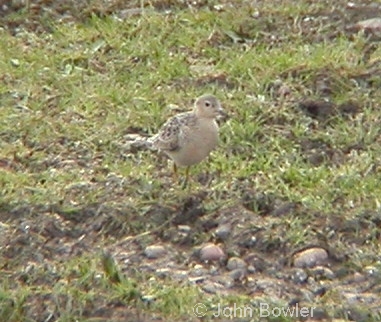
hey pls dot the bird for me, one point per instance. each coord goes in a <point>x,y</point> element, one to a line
<point>188,138</point>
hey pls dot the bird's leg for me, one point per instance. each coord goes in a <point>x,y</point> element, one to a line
<point>185,183</point>
<point>175,171</point>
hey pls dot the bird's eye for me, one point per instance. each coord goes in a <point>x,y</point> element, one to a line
<point>208,104</point>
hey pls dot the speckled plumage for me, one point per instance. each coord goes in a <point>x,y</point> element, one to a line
<point>172,132</point>
<point>188,138</point>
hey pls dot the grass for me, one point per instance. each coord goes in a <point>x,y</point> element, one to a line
<point>71,187</point>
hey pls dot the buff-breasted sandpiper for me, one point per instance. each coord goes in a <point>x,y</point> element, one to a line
<point>188,138</point>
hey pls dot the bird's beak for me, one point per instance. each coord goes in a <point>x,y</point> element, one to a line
<point>222,114</point>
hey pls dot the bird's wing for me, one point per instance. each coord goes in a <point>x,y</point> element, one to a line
<point>171,133</point>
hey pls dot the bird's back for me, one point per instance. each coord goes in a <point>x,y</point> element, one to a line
<point>169,136</point>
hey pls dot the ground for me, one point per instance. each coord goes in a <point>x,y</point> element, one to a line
<point>286,212</point>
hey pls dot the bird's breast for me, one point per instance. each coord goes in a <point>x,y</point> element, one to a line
<point>196,144</point>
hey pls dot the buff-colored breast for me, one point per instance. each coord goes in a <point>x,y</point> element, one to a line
<point>195,143</point>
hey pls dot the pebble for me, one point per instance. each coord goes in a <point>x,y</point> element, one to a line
<point>179,274</point>
<point>299,276</point>
<point>372,271</point>
<point>321,271</point>
<point>198,270</point>
<point>235,263</point>
<point>256,262</point>
<point>197,279</point>
<point>357,299</point>
<point>155,251</point>
<point>223,231</point>
<point>148,299</point>
<point>238,274</point>
<point>211,252</point>
<point>185,229</point>
<point>212,288</point>
<point>310,257</point>
<point>128,13</point>
<point>164,272</point>
<point>372,25</point>
<point>266,283</point>
<point>225,280</point>
<point>358,278</point>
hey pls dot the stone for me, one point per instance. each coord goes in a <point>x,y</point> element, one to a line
<point>223,231</point>
<point>310,257</point>
<point>211,252</point>
<point>235,263</point>
<point>155,251</point>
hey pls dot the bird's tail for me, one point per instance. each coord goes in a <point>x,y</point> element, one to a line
<point>138,142</point>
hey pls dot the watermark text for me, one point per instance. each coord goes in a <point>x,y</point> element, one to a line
<point>264,310</point>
